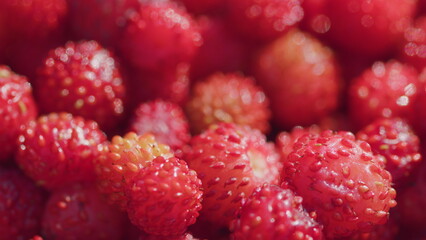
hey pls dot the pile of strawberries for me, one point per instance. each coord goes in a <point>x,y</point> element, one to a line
<point>212,119</point>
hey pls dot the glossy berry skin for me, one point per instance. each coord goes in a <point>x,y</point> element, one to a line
<point>384,90</point>
<point>300,77</point>
<point>58,149</point>
<point>231,162</point>
<point>394,139</point>
<point>342,181</point>
<point>79,212</point>
<point>145,42</point>
<point>228,98</point>
<point>413,48</point>
<point>165,120</point>
<point>164,197</point>
<point>264,20</point>
<point>17,108</point>
<point>123,158</point>
<point>82,79</point>
<point>275,213</point>
<point>185,236</point>
<point>21,206</point>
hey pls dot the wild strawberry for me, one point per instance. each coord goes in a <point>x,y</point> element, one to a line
<point>185,236</point>
<point>165,120</point>
<point>231,161</point>
<point>122,160</point>
<point>145,42</point>
<point>300,77</point>
<point>21,206</point>
<point>275,213</point>
<point>17,108</point>
<point>286,140</point>
<point>342,181</point>
<point>414,47</point>
<point>228,98</point>
<point>83,79</point>
<point>59,149</point>
<point>387,231</point>
<point>394,139</point>
<point>164,197</point>
<point>264,20</point>
<point>385,90</point>
<point>79,212</point>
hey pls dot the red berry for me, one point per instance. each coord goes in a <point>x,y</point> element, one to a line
<point>300,77</point>
<point>17,108</point>
<point>228,98</point>
<point>185,236</point>
<point>342,181</point>
<point>231,161</point>
<point>122,160</point>
<point>275,213</point>
<point>394,139</point>
<point>264,20</point>
<point>414,46</point>
<point>83,79</point>
<point>164,197</point>
<point>286,140</point>
<point>146,41</point>
<point>80,212</point>
<point>205,6</point>
<point>21,206</point>
<point>59,149</point>
<point>165,120</point>
<point>385,90</point>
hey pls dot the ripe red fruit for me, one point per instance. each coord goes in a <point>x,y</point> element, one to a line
<point>300,77</point>
<point>59,149</point>
<point>164,197</point>
<point>264,20</point>
<point>275,213</point>
<point>146,41</point>
<point>394,139</point>
<point>413,49</point>
<point>185,236</point>
<point>82,79</point>
<point>165,120</point>
<point>340,179</point>
<point>385,90</point>
<point>80,212</point>
<point>205,6</point>
<point>21,206</point>
<point>231,161</point>
<point>122,160</point>
<point>286,140</point>
<point>228,98</point>
<point>17,108</point>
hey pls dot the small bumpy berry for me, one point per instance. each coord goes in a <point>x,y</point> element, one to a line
<point>164,197</point>
<point>165,120</point>
<point>228,98</point>
<point>17,108</point>
<point>300,78</point>
<point>59,149</point>
<point>185,236</point>
<point>21,206</point>
<point>82,79</point>
<point>231,162</point>
<point>340,179</point>
<point>80,212</point>
<point>414,46</point>
<point>394,139</point>
<point>274,213</point>
<point>122,160</point>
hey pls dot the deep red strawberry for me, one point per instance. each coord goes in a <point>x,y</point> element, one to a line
<point>342,181</point>
<point>394,139</point>
<point>17,108</point>
<point>83,79</point>
<point>164,197</point>
<point>228,98</point>
<point>300,77</point>
<point>59,149</point>
<point>165,120</point>
<point>21,206</point>
<point>275,213</point>
<point>385,90</point>
<point>264,20</point>
<point>80,212</point>
<point>185,236</point>
<point>387,231</point>
<point>121,160</point>
<point>231,161</point>
<point>146,41</point>
<point>413,49</point>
